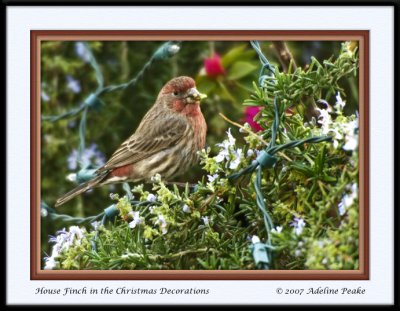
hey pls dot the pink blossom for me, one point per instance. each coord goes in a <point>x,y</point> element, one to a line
<point>250,113</point>
<point>213,66</point>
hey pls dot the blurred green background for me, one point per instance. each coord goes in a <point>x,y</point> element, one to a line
<point>225,71</point>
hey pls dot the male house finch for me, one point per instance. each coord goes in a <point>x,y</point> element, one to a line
<point>166,141</point>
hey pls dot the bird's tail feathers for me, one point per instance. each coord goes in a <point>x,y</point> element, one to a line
<point>80,189</point>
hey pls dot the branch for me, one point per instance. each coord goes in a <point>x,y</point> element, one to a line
<point>284,55</point>
<point>243,128</point>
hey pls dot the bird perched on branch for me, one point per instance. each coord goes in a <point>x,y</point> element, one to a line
<point>166,141</point>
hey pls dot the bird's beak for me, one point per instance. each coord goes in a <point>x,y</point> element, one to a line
<point>195,94</point>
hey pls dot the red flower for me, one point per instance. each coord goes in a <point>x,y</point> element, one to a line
<point>214,66</point>
<point>250,113</point>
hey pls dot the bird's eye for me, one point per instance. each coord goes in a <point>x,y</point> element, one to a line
<point>176,93</point>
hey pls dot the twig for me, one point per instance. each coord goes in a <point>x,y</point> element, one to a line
<point>206,202</point>
<point>179,184</point>
<point>253,134</point>
<point>284,54</point>
<point>243,128</point>
<point>182,253</point>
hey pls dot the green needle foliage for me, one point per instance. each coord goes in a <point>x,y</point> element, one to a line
<point>311,193</point>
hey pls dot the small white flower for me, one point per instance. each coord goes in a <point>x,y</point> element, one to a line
<point>250,152</point>
<point>351,137</point>
<point>336,137</point>
<point>324,117</point>
<point>136,219</point>
<point>163,224</point>
<point>277,229</point>
<point>297,252</point>
<point>61,234</point>
<point>324,261</point>
<point>151,198</point>
<point>50,264</point>
<point>351,127</point>
<point>235,163</point>
<point>222,155</point>
<point>342,209</point>
<point>335,144</point>
<point>298,224</point>
<point>76,234</point>
<point>212,178</point>
<point>56,250</point>
<point>339,102</point>
<point>231,138</point>
<point>320,244</point>
<point>255,239</point>
<point>228,143</point>
<point>299,230</point>
<point>186,208</point>
<point>65,239</point>
<point>205,220</point>
<point>351,143</point>
<point>225,145</point>
<point>348,199</point>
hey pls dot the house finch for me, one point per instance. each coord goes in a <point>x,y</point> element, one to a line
<point>166,141</point>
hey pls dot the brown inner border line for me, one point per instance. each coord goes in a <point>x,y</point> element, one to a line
<point>200,35</point>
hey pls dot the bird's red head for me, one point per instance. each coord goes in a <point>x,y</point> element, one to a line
<point>178,85</point>
<point>180,95</point>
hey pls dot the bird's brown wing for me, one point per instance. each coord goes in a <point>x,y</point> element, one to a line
<point>153,135</point>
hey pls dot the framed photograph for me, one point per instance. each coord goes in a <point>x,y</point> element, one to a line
<point>159,212</point>
<point>172,158</point>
